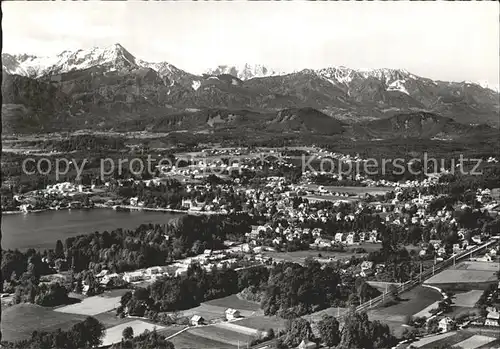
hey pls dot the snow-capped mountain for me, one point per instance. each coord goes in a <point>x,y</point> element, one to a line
<point>245,71</point>
<point>115,56</point>
<point>112,58</point>
<point>105,85</point>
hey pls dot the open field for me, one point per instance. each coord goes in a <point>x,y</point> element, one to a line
<point>91,306</point>
<point>484,266</point>
<point>411,303</point>
<point>426,311</point>
<point>188,340</point>
<point>263,322</point>
<point>423,342</point>
<point>457,311</point>
<point>467,299</point>
<point>171,330</point>
<point>114,334</point>
<point>235,327</point>
<point>300,256</point>
<point>109,319</point>
<point>234,302</point>
<point>221,334</point>
<point>207,312</point>
<point>19,321</point>
<point>462,276</point>
<point>475,341</point>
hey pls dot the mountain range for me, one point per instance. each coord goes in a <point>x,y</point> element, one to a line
<point>108,87</point>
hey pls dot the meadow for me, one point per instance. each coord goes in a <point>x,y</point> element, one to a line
<point>114,334</point>
<point>91,306</point>
<point>263,323</point>
<point>224,335</point>
<point>234,302</point>
<point>188,340</point>
<point>20,320</point>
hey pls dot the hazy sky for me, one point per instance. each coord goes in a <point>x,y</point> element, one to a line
<point>441,40</point>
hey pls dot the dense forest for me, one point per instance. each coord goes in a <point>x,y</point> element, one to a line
<point>286,289</point>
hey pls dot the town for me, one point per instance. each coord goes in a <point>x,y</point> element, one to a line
<point>447,265</point>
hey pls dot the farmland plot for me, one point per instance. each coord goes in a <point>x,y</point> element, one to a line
<point>187,340</point>
<point>114,334</point>
<point>222,335</point>
<point>475,341</point>
<point>467,299</point>
<point>91,306</point>
<point>237,328</point>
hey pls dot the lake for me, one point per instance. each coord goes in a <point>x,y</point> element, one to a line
<point>42,230</point>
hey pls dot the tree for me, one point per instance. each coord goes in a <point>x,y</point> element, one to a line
<point>329,330</point>
<point>59,251</point>
<point>359,332</point>
<point>297,331</point>
<point>128,333</point>
<point>393,291</point>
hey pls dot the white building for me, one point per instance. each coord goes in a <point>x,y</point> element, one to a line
<point>446,324</point>
<point>196,320</point>
<point>232,314</point>
<point>492,319</point>
<point>133,276</point>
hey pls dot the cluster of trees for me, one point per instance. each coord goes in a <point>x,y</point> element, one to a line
<point>292,290</point>
<point>124,250</point>
<point>179,293</point>
<point>170,194</point>
<point>85,334</point>
<point>91,143</point>
<point>287,289</point>
<point>146,340</point>
<point>22,272</point>
<point>357,332</point>
<point>117,251</point>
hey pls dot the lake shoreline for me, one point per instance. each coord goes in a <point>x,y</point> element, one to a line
<point>119,207</point>
<point>42,230</point>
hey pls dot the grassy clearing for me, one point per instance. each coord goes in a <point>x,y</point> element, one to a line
<point>482,266</point>
<point>208,312</point>
<point>234,302</point>
<point>263,322</point>
<point>453,276</point>
<point>114,334</point>
<point>188,340</point>
<point>431,341</point>
<point>235,327</point>
<point>109,319</point>
<point>457,311</point>
<point>223,335</point>
<point>467,299</point>
<point>475,341</point>
<point>411,303</point>
<point>19,321</point>
<point>426,312</point>
<point>300,256</point>
<point>91,306</point>
<point>171,330</point>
